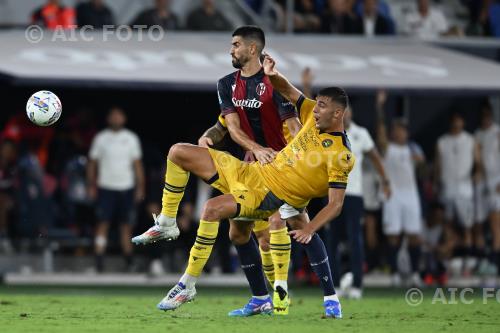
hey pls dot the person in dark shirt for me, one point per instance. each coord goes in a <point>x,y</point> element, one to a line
<point>338,20</point>
<point>160,15</point>
<point>207,18</point>
<point>372,23</point>
<point>94,13</point>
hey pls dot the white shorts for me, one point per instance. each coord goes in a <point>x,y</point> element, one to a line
<point>460,209</point>
<point>487,200</point>
<point>287,211</point>
<point>402,214</point>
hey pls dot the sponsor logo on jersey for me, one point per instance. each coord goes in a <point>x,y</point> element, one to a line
<point>247,103</point>
<point>327,143</point>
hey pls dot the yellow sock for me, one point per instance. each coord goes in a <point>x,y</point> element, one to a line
<point>176,179</point>
<point>267,265</point>
<point>200,252</point>
<point>280,251</point>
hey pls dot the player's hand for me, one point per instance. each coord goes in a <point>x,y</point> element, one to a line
<point>264,155</point>
<point>92,192</point>
<point>139,195</point>
<point>269,65</point>
<point>205,142</point>
<point>381,97</point>
<point>307,77</point>
<point>302,236</point>
<point>386,188</point>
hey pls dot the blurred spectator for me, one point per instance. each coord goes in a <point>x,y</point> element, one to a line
<point>94,13</point>
<point>488,193</point>
<point>22,132</point>
<point>36,210</point>
<point>434,249</point>
<point>114,170</point>
<point>382,8</point>
<point>8,161</point>
<point>457,154</point>
<point>306,18</point>
<point>160,15</point>
<point>352,210</point>
<point>372,202</point>
<point>427,22</point>
<point>207,18</point>
<point>484,17</point>
<point>374,23</point>
<point>53,15</point>
<point>494,16</point>
<point>402,211</point>
<point>75,198</point>
<point>338,20</point>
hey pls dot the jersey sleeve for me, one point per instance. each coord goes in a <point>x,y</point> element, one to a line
<point>339,168</point>
<point>135,148</point>
<point>95,148</point>
<point>286,109</point>
<point>224,92</point>
<point>305,107</point>
<point>367,140</point>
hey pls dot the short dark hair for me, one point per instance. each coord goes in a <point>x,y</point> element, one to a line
<point>336,94</point>
<point>252,32</point>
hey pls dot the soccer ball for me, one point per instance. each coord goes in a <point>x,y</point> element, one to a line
<point>44,108</point>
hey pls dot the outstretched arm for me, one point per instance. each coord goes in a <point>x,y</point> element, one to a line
<point>328,213</point>
<point>279,82</point>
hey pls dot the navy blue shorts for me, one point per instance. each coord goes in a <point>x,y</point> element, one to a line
<point>116,206</point>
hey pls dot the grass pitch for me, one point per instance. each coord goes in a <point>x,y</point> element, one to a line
<point>42,309</point>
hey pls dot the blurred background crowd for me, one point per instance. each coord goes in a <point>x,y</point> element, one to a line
<point>416,18</point>
<point>48,175</point>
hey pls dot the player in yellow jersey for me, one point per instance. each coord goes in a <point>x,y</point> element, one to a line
<point>315,163</point>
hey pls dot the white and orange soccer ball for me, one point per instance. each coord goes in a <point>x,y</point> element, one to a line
<point>44,108</point>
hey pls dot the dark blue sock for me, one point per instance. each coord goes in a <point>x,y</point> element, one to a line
<point>252,266</point>
<point>393,257</point>
<point>414,252</point>
<point>318,258</point>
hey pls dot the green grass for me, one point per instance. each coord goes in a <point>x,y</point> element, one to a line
<point>32,309</point>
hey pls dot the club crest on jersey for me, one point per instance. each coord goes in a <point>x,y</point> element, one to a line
<point>327,143</point>
<point>260,89</point>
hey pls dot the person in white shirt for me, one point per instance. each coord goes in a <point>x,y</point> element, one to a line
<point>352,211</point>
<point>488,189</point>
<point>402,211</point>
<point>116,179</point>
<point>457,154</point>
<point>426,22</point>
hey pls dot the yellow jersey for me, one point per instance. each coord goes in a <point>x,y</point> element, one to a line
<point>310,164</point>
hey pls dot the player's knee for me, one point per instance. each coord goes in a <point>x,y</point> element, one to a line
<point>276,223</point>
<point>176,152</point>
<point>238,237</point>
<point>263,242</point>
<point>414,240</point>
<point>211,211</point>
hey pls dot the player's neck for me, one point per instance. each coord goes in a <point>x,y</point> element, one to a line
<point>251,68</point>
<point>335,128</point>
